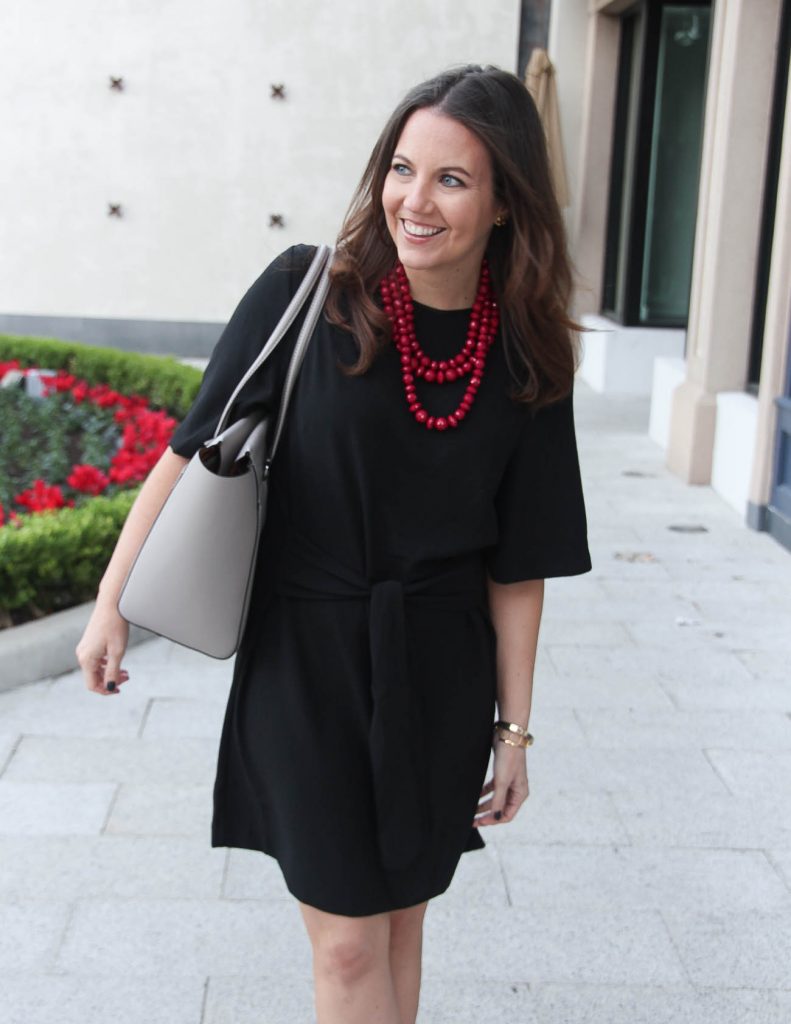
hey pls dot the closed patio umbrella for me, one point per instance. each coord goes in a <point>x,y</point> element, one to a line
<point>540,82</point>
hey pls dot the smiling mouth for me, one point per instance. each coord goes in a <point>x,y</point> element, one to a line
<point>420,230</point>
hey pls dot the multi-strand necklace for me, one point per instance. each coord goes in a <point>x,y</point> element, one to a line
<point>398,305</point>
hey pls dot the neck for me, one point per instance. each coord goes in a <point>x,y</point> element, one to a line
<point>443,291</point>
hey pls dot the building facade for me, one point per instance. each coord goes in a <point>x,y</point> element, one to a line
<point>677,131</point>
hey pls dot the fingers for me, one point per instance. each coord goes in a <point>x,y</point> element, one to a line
<point>100,651</point>
<point>99,671</point>
<point>111,672</point>
<point>508,795</point>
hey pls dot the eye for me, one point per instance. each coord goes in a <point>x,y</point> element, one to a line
<point>451,181</point>
<point>401,169</point>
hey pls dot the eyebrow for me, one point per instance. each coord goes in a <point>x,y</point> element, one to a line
<point>443,170</point>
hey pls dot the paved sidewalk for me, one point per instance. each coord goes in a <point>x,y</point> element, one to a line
<point>646,881</point>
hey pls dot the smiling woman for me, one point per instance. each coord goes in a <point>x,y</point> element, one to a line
<point>439,203</point>
<point>427,482</point>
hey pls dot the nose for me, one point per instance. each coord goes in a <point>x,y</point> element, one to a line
<point>418,196</point>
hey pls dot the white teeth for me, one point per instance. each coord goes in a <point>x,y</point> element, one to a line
<point>419,230</point>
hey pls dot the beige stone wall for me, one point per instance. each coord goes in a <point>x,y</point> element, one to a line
<point>736,133</point>
<point>194,148</point>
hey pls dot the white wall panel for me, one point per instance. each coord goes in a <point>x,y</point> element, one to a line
<point>194,147</point>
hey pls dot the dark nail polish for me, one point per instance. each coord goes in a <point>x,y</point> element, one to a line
<point>498,815</point>
<point>110,684</point>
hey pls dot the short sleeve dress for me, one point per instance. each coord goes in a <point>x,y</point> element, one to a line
<point>358,728</point>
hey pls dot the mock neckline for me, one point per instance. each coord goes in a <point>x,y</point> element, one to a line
<point>434,309</point>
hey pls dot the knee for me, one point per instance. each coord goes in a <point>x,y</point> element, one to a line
<point>406,926</point>
<point>346,959</point>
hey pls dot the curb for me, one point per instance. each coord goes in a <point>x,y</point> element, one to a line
<point>45,647</point>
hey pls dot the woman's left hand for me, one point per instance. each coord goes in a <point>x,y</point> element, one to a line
<point>508,787</point>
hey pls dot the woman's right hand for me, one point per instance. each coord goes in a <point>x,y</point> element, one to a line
<point>101,648</point>
<point>106,636</point>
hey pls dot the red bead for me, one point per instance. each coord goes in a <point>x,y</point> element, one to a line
<point>415,364</point>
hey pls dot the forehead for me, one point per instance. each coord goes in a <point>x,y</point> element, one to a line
<point>436,139</point>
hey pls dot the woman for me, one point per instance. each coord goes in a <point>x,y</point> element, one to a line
<point>427,483</point>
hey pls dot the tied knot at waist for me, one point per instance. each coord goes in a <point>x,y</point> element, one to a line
<point>397,729</point>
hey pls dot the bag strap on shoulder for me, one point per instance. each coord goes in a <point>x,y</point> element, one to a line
<point>319,267</point>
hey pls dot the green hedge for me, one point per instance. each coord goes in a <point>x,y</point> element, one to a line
<point>56,559</point>
<point>167,383</point>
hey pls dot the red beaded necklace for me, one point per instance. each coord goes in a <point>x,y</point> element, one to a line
<point>481,332</point>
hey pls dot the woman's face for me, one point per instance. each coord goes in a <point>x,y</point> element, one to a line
<point>439,202</point>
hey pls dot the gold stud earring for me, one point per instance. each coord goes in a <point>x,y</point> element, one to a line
<point>499,220</point>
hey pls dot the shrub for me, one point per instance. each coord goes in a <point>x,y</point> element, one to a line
<point>54,559</point>
<point>167,383</point>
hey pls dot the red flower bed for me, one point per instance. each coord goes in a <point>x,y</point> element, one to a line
<point>144,435</point>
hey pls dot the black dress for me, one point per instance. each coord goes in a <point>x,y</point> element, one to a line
<point>358,728</point>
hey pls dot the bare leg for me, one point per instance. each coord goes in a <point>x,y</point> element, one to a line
<point>406,947</point>
<point>351,968</point>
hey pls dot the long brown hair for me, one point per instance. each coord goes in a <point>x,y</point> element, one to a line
<point>530,267</point>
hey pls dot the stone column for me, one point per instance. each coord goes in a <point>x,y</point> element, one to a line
<point>736,129</point>
<point>777,330</point>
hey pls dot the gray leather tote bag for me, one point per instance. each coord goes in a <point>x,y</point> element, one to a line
<point>192,577</point>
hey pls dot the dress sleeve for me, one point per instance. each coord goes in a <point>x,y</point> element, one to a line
<point>542,524</point>
<point>242,339</point>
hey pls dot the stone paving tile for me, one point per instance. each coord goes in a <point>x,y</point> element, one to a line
<point>179,760</point>
<point>754,773</point>
<point>561,819</point>
<point>479,880</point>
<point>559,632</point>
<point>52,808</point>
<point>578,771</point>
<point>30,933</point>
<point>704,819</point>
<point>586,1004</point>
<point>768,665</point>
<point>621,563</point>
<point>71,999</point>
<point>159,809</point>
<point>467,1001</point>
<point>67,708</point>
<point>592,680</point>
<point>553,725</point>
<point>639,729</point>
<point>8,740</point>
<point>265,998</point>
<point>111,867</point>
<point>173,938</point>
<point>253,875</point>
<point>728,632</point>
<point>616,947</point>
<point>184,717</point>
<point>598,878</point>
<point>781,859</point>
<point>742,949</point>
